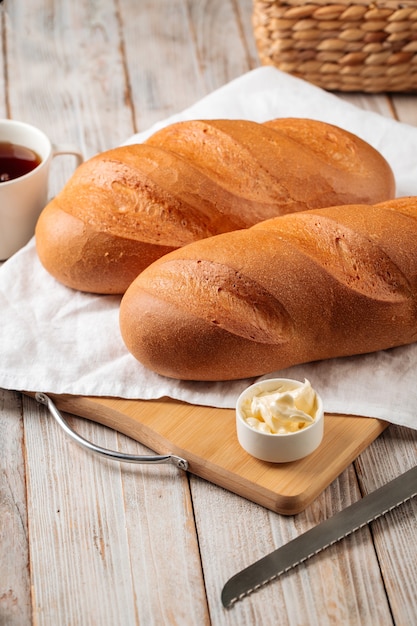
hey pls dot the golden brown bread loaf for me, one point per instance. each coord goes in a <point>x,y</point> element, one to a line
<point>126,207</point>
<point>298,288</point>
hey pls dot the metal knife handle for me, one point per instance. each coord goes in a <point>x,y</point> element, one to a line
<point>325,534</point>
<point>115,455</point>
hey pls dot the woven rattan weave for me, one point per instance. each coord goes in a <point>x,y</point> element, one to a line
<point>348,46</point>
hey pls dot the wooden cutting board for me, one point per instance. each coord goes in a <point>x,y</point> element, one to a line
<point>206,438</point>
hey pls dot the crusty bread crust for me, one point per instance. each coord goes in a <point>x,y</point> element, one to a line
<point>303,287</point>
<point>126,207</point>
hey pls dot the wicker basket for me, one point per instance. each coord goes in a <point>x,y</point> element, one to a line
<point>348,46</point>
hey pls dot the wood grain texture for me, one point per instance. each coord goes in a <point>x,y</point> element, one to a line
<point>394,534</point>
<point>15,606</point>
<point>125,541</point>
<point>313,593</point>
<point>101,543</point>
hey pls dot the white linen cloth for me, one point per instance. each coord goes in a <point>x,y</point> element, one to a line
<point>57,340</point>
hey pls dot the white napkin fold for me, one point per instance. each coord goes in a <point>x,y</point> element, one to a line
<point>57,340</point>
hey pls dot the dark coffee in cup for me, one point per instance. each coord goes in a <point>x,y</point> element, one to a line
<point>16,161</point>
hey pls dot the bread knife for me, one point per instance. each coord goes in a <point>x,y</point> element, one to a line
<point>325,534</point>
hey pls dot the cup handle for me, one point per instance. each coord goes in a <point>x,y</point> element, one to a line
<point>67,149</point>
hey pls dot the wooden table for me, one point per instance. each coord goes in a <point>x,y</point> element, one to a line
<point>88,541</point>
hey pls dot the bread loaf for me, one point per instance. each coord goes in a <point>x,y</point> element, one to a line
<point>126,207</point>
<point>303,287</point>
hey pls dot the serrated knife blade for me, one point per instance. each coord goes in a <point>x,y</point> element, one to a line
<point>325,534</point>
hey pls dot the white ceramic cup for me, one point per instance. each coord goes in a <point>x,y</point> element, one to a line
<point>23,198</point>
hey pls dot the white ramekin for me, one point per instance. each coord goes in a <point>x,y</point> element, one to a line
<point>278,448</point>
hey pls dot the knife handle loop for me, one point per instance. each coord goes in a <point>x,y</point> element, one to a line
<point>115,455</point>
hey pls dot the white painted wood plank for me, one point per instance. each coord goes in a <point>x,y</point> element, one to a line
<point>193,48</point>
<point>75,87</point>
<point>167,577</point>
<point>15,608</point>
<point>110,544</point>
<point>244,11</point>
<point>162,66</point>
<point>342,585</point>
<point>219,38</point>
<point>76,532</point>
<point>394,534</point>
